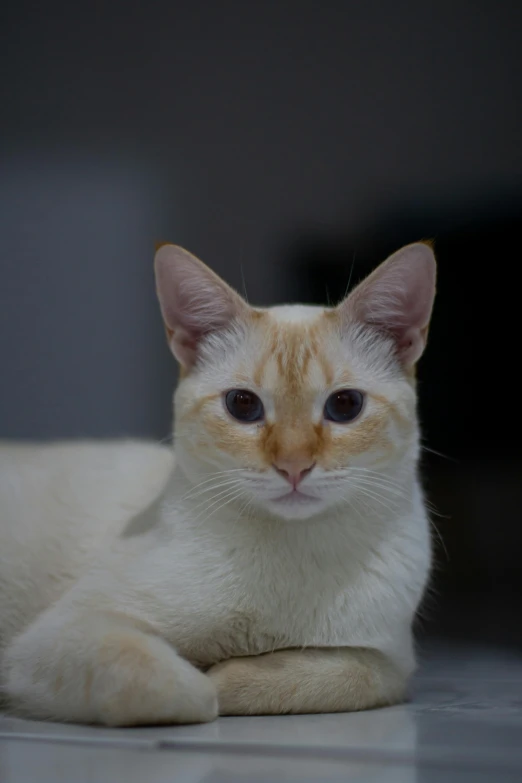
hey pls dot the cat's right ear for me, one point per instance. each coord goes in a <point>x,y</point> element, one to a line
<point>194,301</point>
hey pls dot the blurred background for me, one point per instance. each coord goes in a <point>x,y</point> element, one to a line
<point>292,146</point>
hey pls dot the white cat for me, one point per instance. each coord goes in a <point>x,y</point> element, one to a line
<point>275,563</point>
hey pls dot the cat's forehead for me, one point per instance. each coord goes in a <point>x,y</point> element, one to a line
<point>293,349</point>
<point>295,314</point>
<point>296,350</point>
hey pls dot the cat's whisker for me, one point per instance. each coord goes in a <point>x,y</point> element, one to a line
<point>365,472</point>
<point>374,474</point>
<point>203,515</point>
<point>375,479</point>
<point>198,491</point>
<point>365,469</point>
<point>366,508</point>
<point>388,503</point>
<point>439,454</point>
<point>440,539</point>
<point>381,483</point>
<point>209,479</point>
<point>244,508</point>
<point>208,486</point>
<point>233,495</point>
<point>434,510</point>
<point>217,495</point>
<point>214,476</point>
<point>372,483</point>
<point>386,490</point>
<point>377,498</point>
<point>352,506</point>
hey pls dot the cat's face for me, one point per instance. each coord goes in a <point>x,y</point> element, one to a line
<point>293,409</point>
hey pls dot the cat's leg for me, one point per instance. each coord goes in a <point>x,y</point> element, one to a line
<point>307,681</point>
<point>102,668</point>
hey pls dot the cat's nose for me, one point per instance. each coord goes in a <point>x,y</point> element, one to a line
<point>294,471</point>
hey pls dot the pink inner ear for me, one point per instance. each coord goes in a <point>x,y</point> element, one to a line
<point>194,301</point>
<point>398,298</point>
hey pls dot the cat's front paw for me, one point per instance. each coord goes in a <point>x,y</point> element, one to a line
<point>116,677</point>
<point>155,686</point>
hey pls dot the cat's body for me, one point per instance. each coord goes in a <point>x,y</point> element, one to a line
<point>237,588</point>
<point>62,506</point>
<point>122,570</point>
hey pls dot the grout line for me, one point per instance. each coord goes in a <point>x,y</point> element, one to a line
<point>116,742</point>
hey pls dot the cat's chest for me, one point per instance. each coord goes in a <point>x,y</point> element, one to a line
<point>251,602</point>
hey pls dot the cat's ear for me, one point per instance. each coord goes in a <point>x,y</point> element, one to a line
<point>194,301</point>
<point>397,299</point>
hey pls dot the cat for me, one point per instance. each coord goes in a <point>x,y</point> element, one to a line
<point>274,562</point>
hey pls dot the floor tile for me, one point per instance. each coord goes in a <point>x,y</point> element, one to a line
<point>473,699</point>
<point>46,763</point>
<point>62,763</point>
<point>442,659</point>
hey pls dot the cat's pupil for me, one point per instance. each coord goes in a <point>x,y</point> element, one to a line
<point>244,401</point>
<point>343,406</point>
<point>244,405</point>
<point>344,402</point>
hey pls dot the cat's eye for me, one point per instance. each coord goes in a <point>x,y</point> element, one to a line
<point>244,405</point>
<point>344,406</point>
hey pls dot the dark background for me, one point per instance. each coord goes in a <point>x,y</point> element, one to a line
<point>291,145</point>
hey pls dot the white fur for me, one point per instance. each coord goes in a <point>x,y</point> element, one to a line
<point>214,589</point>
<point>296,314</point>
<point>61,506</point>
<point>124,577</point>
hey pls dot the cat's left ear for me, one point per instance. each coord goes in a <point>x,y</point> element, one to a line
<point>397,300</point>
<point>194,301</point>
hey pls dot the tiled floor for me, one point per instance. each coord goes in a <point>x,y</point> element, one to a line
<point>464,723</point>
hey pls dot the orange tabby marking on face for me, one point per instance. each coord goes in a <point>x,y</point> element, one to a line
<point>392,410</point>
<point>280,442</point>
<point>292,347</point>
<point>325,368</point>
<point>261,365</point>
<point>232,440</point>
<point>367,435</point>
<point>295,352</point>
<point>318,443</point>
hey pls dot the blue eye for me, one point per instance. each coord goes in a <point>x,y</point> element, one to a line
<point>344,406</point>
<point>244,405</point>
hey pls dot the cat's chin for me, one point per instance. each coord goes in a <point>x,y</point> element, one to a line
<point>295,505</point>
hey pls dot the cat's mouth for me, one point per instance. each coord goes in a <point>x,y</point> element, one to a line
<point>294,496</point>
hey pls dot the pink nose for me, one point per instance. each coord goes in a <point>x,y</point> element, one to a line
<point>294,471</point>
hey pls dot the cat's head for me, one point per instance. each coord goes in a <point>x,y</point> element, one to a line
<point>296,409</point>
